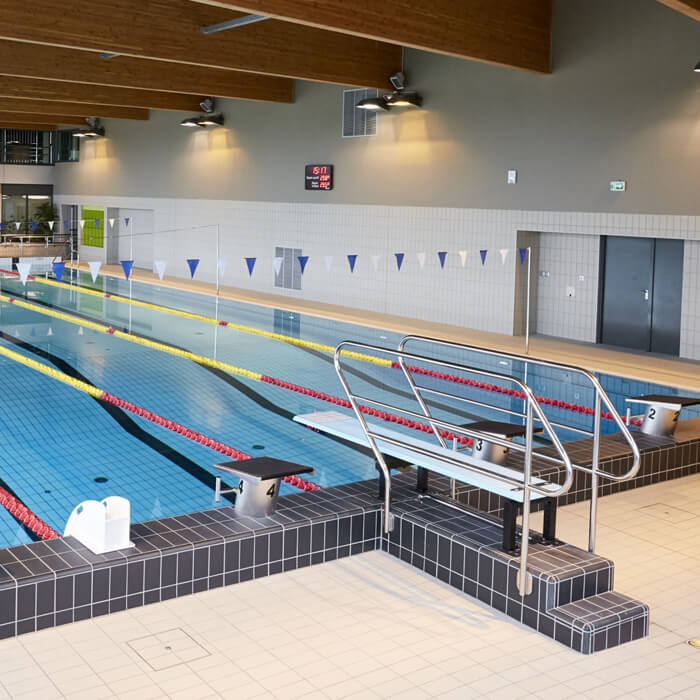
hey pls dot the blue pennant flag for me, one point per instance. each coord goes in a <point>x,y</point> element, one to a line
<point>97,222</point>
<point>126,266</point>
<point>126,221</point>
<point>192,264</point>
<point>303,259</point>
<point>399,259</point>
<point>250,262</point>
<point>34,225</point>
<point>58,268</point>
<point>352,259</point>
<point>2,225</point>
<point>66,225</point>
<point>33,331</point>
<point>483,256</point>
<point>523,254</point>
<point>442,254</point>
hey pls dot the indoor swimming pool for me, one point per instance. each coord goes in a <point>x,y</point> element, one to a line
<point>59,446</point>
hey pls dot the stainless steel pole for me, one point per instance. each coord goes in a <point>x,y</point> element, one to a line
<point>527,307</point>
<point>593,514</point>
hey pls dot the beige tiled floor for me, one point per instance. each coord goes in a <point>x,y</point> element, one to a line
<point>372,627</point>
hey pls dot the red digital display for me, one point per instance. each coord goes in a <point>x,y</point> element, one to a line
<point>318,177</point>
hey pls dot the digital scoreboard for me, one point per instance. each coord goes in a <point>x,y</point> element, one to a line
<point>318,177</point>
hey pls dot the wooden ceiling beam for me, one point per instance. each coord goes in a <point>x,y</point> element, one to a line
<point>27,125</point>
<point>510,33</point>
<point>39,119</point>
<point>12,104</point>
<point>687,7</point>
<point>169,30</point>
<point>55,91</point>
<point>18,59</point>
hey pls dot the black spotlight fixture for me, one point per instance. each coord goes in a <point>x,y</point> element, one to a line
<point>192,122</point>
<point>697,67</point>
<point>374,104</point>
<point>94,129</point>
<point>211,120</point>
<point>404,99</point>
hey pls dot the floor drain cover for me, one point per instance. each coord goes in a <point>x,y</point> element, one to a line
<point>694,643</point>
<point>168,649</point>
<point>258,447</point>
<point>101,479</point>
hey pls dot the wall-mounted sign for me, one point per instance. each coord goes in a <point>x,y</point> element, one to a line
<point>318,177</point>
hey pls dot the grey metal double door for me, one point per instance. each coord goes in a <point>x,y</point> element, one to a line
<point>642,284</point>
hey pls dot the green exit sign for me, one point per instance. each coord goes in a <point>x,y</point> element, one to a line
<point>618,186</point>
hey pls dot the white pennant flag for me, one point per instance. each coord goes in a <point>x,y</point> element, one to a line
<point>421,260</point>
<point>80,330</point>
<point>50,331</point>
<point>17,224</point>
<point>159,267</point>
<point>51,223</point>
<point>328,262</point>
<point>462,257</point>
<point>221,266</point>
<point>94,268</point>
<point>82,224</point>
<point>375,261</point>
<point>277,264</point>
<point>23,269</point>
<point>111,222</point>
<point>504,254</point>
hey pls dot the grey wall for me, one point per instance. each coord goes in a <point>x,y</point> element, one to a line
<point>622,102</point>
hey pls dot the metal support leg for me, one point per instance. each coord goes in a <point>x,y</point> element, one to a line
<point>422,480</point>
<point>381,488</point>
<point>510,517</point>
<point>549,526</point>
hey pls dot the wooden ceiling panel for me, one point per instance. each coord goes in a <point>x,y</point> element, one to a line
<point>512,33</point>
<point>55,91</point>
<point>27,125</point>
<point>85,67</point>
<point>12,104</point>
<point>40,119</point>
<point>687,7</point>
<point>169,30</point>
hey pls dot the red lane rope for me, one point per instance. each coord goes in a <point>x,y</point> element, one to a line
<point>510,392</point>
<point>30,520</point>
<point>195,436</point>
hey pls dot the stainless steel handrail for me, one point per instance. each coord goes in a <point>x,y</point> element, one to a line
<point>533,408</point>
<point>601,398</point>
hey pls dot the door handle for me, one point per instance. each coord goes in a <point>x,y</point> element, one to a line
<point>645,294</point>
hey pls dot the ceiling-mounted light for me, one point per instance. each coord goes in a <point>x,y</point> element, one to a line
<point>191,122</point>
<point>94,132</point>
<point>404,99</point>
<point>697,67</point>
<point>373,103</point>
<point>211,120</point>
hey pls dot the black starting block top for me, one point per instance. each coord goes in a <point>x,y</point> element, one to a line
<point>667,399</point>
<point>263,468</point>
<point>498,428</point>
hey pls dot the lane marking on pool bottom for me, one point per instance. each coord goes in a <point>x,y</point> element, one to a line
<point>173,426</point>
<point>208,319</point>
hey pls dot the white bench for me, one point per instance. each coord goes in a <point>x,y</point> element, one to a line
<point>442,461</point>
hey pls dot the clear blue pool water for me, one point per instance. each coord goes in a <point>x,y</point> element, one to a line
<point>55,441</point>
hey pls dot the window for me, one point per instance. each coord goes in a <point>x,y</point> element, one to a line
<point>66,147</point>
<point>26,147</point>
<point>289,276</point>
<point>94,228</point>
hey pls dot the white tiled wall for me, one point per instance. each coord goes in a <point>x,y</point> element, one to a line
<point>474,296</point>
<point>563,260</point>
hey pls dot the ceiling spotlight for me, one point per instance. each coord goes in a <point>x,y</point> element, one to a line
<point>93,129</point>
<point>211,120</point>
<point>373,103</point>
<point>191,122</point>
<point>697,67</point>
<point>207,105</point>
<point>405,99</point>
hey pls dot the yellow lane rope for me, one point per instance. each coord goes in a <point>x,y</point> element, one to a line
<point>208,319</point>
<point>101,328</point>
